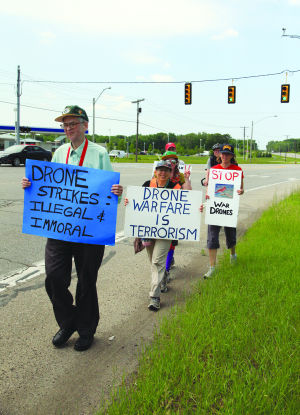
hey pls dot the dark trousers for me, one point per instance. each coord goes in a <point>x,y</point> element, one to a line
<point>82,316</point>
<point>213,236</point>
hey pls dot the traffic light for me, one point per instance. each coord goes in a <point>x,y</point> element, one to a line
<point>188,93</point>
<point>231,95</point>
<point>285,93</point>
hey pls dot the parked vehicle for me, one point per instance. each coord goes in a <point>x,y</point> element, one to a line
<point>18,154</point>
<point>117,154</point>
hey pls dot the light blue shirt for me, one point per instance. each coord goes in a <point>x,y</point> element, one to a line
<point>96,156</point>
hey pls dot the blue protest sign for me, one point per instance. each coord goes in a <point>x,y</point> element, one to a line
<point>70,203</point>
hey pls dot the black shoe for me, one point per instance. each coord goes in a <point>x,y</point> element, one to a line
<point>62,336</point>
<point>83,343</point>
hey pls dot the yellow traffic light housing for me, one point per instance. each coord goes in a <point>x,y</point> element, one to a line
<point>188,93</point>
<point>231,95</point>
<point>285,93</point>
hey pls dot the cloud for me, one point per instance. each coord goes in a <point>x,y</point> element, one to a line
<point>227,33</point>
<point>155,78</point>
<point>115,103</point>
<point>166,65</point>
<point>47,38</point>
<point>141,58</point>
<point>119,17</point>
<point>161,78</point>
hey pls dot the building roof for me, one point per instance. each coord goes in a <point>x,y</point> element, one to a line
<point>10,137</point>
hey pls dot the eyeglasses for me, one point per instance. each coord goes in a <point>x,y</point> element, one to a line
<point>163,169</point>
<point>66,125</point>
<point>173,161</point>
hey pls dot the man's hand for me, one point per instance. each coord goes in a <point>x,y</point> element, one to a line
<point>117,189</point>
<point>25,183</point>
<point>240,191</point>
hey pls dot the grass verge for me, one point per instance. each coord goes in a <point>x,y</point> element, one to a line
<point>203,160</point>
<point>232,348</point>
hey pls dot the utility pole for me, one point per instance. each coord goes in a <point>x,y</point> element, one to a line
<point>17,127</point>
<point>287,145</point>
<point>251,142</point>
<point>247,151</point>
<point>138,110</point>
<point>244,128</point>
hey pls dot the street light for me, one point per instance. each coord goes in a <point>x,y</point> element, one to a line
<point>138,111</point>
<point>292,36</point>
<point>269,116</point>
<point>94,102</point>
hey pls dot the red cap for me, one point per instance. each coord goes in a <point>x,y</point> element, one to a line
<point>168,145</point>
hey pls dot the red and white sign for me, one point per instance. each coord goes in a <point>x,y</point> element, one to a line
<point>222,207</point>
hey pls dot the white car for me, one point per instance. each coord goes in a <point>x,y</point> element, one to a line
<point>117,154</point>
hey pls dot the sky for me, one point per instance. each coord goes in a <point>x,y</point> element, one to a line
<point>69,52</point>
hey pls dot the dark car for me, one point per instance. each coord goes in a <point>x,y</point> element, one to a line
<point>16,155</point>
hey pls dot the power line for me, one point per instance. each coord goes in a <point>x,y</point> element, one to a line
<point>29,106</point>
<point>165,82</point>
<point>102,118</point>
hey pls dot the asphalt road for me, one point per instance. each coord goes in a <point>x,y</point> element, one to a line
<point>39,379</point>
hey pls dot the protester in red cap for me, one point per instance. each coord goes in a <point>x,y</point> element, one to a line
<point>184,181</point>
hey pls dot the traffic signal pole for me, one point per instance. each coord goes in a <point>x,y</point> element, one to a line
<point>244,128</point>
<point>17,129</point>
<point>138,110</point>
<point>251,142</point>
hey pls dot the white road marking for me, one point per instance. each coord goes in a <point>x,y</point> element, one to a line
<point>257,175</point>
<point>269,185</point>
<point>25,274</point>
<point>21,275</point>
